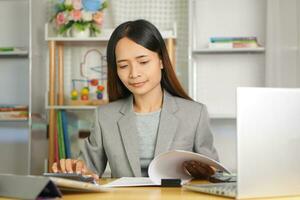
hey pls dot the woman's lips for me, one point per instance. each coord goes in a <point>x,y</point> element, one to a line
<point>138,84</point>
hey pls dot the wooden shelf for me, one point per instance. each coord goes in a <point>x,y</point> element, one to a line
<point>76,105</point>
<point>103,36</point>
<point>69,107</point>
<point>233,50</point>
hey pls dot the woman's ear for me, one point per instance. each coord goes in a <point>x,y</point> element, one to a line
<point>161,64</point>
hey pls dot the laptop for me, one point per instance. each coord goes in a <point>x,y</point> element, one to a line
<point>268,145</point>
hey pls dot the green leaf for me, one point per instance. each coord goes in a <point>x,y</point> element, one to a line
<point>69,7</point>
<point>65,27</point>
<point>94,29</point>
<point>81,25</point>
<point>104,5</point>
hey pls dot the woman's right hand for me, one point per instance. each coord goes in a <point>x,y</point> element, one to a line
<point>72,166</point>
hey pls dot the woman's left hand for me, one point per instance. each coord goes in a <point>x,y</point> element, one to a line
<point>198,170</point>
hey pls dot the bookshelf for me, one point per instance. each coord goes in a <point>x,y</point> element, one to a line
<point>215,73</point>
<point>15,84</point>
<point>56,97</point>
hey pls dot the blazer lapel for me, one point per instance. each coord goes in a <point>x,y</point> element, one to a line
<point>128,132</point>
<point>168,124</point>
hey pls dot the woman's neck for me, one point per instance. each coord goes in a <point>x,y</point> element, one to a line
<point>150,102</point>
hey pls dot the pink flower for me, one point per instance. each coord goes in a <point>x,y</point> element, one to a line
<point>98,17</point>
<point>60,18</point>
<point>77,5</point>
<point>76,15</point>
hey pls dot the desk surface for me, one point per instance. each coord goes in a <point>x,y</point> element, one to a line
<point>151,193</point>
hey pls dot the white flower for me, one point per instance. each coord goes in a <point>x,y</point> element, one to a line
<point>87,16</point>
<point>70,18</point>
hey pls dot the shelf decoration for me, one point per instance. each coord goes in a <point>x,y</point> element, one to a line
<point>78,18</point>
<point>89,88</point>
<point>233,42</point>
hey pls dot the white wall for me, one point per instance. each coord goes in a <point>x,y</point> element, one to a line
<point>283,43</point>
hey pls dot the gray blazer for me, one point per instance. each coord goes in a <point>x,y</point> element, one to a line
<point>184,125</point>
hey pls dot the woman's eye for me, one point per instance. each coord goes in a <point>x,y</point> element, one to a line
<point>144,62</point>
<point>122,66</point>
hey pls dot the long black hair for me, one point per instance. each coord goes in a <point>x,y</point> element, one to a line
<point>145,34</point>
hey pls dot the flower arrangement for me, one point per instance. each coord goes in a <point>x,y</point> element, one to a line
<point>79,14</point>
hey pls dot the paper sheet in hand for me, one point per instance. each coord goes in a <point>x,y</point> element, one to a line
<point>167,166</point>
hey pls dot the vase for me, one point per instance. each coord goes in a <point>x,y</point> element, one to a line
<point>80,33</point>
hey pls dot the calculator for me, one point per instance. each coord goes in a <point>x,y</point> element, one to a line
<point>72,176</point>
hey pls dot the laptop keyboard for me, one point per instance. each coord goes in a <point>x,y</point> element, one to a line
<point>221,189</point>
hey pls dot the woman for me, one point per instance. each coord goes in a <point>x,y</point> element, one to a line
<point>149,113</point>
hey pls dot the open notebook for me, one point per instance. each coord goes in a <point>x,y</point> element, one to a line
<point>167,166</point>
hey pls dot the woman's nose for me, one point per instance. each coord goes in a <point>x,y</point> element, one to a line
<point>134,73</point>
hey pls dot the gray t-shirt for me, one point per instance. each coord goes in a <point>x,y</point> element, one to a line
<point>147,126</point>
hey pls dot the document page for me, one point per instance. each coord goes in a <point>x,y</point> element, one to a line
<point>130,181</point>
<point>169,165</point>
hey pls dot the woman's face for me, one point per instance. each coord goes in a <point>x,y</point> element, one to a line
<point>138,68</point>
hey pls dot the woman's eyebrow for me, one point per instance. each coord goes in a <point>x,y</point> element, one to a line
<point>124,60</point>
<point>141,56</point>
<point>138,57</point>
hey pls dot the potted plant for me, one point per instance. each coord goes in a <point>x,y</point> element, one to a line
<point>78,18</point>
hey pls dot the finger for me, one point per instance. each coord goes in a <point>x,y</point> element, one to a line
<point>207,169</point>
<point>69,166</point>
<point>191,170</point>
<point>84,169</point>
<point>200,171</point>
<point>55,168</point>
<point>79,166</point>
<point>62,165</point>
<point>74,161</point>
<point>95,176</point>
<point>90,173</point>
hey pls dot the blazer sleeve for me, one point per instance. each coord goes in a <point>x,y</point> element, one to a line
<point>92,150</point>
<point>203,142</point>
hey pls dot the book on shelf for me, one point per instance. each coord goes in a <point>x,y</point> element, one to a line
<point>56,146</point>
<point>233,42</point>
<point>233,39</point>
<point>13,112</point>
<point>61,137</point>
<point>6,49</point>
<point>13,51</point>
<point>64,122</point>
<point>7,107</point>
<point>168,166</point>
